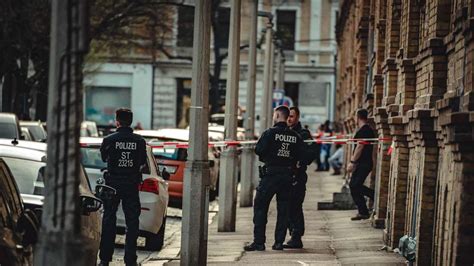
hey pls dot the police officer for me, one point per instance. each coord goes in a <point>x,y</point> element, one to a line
<point>125,154</point>
<point>298,192</point>
<point>279,148</point>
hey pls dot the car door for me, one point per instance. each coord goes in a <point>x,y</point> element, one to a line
<point>154,171</point>
<point>91,223</point>
<point>10,210</point>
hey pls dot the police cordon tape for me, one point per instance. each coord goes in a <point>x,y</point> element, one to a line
<point>233,143</point>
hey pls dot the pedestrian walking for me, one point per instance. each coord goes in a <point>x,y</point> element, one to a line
<point>125,154</point>
<point>298,190</point>
<point>279,148</point>
<point>360,166</point>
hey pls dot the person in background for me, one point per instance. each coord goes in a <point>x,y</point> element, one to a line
<point>336,159</point>
<point>138,126</point>
<point>320,133</point>
<point>326,148</point>
<point>361,166</point>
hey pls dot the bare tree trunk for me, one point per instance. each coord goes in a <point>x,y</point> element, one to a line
<point>61,241</point>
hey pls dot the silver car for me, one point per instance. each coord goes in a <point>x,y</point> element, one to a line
<point>153,193</point>
<point>27,162</point>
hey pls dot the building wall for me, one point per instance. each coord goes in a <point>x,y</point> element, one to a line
<point>137,77</point>
<point>418,70</point>
<point>311,63</point>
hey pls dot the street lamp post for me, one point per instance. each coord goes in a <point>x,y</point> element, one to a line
<point>60,238</point>
<point>196,176</point>
<point>267,78</point>
<point>228,178</point>
<point>248,156</point>
<point>280,84</point>
<point>271,81</point>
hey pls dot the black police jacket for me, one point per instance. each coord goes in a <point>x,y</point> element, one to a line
<point>310,150</point>
<point>124,153</point>
<point>279,146</point>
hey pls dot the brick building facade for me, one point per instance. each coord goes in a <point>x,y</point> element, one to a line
<point>415,58</point>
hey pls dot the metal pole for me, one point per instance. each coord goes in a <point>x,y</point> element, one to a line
<point>267,78</point>
<point>271,82</point>
<point>60,238</point>
<point>196,175</point>
<point>281,71</point>
<point>248,156</point>
<point>228,178</point>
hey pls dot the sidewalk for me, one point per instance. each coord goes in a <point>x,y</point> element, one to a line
<point>331,238</point>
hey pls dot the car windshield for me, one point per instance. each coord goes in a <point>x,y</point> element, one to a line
<point>8,131</point>
<point>29,175</point>
<point>37,132</point>
<point>91,158</point>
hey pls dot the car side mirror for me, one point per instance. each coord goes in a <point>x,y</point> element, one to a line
<point>212,163</point>
<point>90,204</point>
<point>103,191</point>
<point>28,224</point>
<point>165,174</point>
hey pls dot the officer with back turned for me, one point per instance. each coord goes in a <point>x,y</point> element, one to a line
<point>280,149</point>
<point>125,154</point>
<point>298,190</point>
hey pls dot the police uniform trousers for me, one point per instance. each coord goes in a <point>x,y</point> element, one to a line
<point>277,181</point>
<point>298,193</point>
<point>358,190</point>
<point>127,193</point>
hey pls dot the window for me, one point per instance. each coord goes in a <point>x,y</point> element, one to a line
<point>185,26</point>
<point>103,111</point>
<point>286,25</point>
<point>29,175</point>
<point>223,24</point>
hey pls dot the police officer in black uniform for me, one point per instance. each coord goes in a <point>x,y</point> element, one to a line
<point>298,192</point>
<point>125,154</point>
<point>279,148</point>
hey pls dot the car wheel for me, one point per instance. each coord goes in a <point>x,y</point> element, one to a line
<point>154,242</point>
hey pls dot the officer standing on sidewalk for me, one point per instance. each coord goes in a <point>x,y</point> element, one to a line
<point>125,154</point>
<point>279,148</point>
<point>298,192</point>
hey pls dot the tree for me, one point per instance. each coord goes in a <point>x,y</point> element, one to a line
<point>115,26</point>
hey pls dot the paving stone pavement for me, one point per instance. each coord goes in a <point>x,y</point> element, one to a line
<point>331,238</point>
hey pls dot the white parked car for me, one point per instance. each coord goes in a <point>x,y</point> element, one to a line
<point>153,193</point>
<point>27,162</point>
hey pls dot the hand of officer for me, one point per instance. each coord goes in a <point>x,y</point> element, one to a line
<point>350,168</point>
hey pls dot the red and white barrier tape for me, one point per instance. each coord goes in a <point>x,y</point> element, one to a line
<point>231,143</point>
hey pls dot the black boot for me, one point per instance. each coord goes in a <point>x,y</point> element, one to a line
<point>103,263</point>
<point>294,242</point>
<point>254,247</point>
<point>277,246</point>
